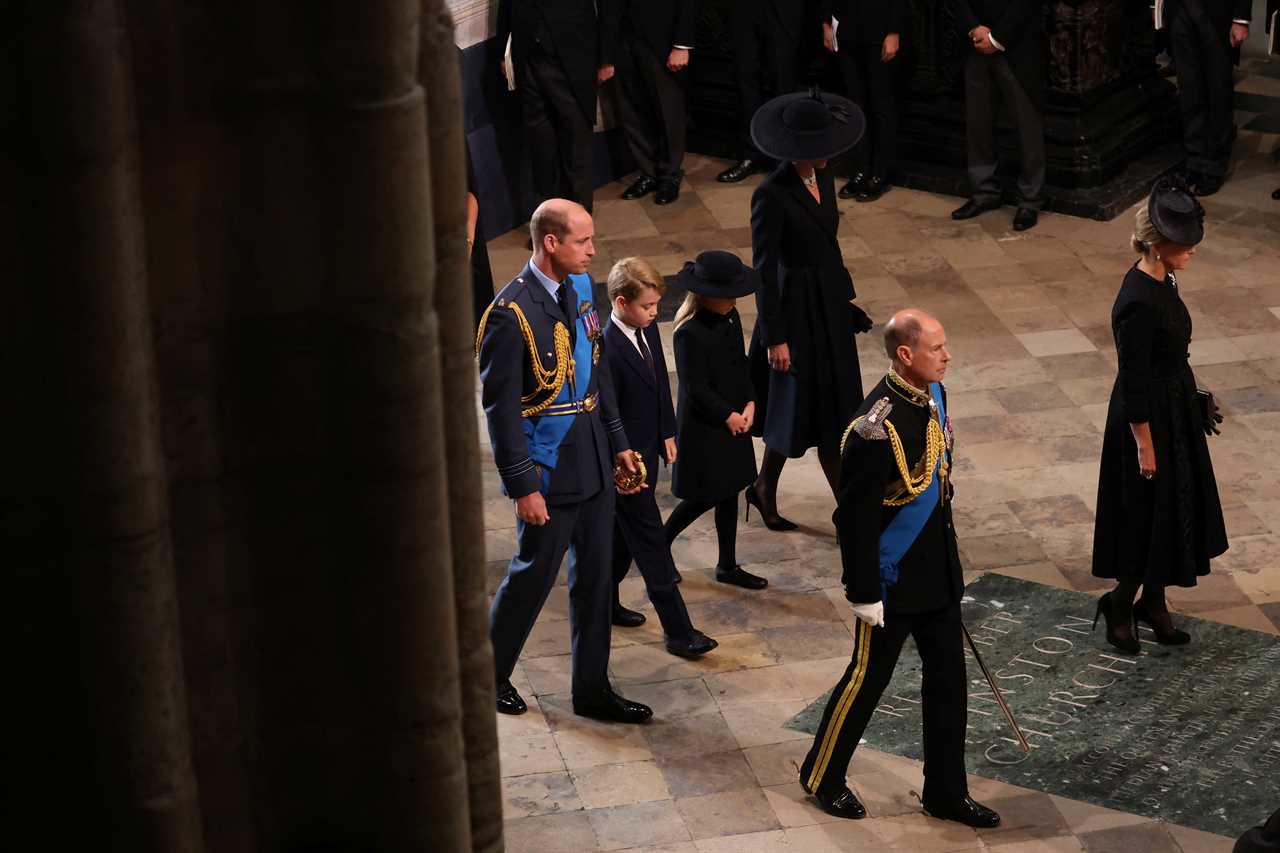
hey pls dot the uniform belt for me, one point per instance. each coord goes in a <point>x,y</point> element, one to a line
<point>573,407</point>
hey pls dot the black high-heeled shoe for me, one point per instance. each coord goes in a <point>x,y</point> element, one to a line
<point>1173,638</point>
<point>773,522</point>
<point>1129,645</point>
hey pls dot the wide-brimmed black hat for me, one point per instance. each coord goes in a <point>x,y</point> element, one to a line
<point>809,125</point>
<point>1176,213</point>
<point>718,274</point>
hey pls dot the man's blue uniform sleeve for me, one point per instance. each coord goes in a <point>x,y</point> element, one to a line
<point>502,383</point>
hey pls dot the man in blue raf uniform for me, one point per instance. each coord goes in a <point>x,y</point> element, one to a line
<point>554,427</point>
<point>902,575</point>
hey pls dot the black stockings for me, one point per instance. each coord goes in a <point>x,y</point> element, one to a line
<point>687,512</point>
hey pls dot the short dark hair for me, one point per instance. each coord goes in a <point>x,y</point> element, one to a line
<point>549,219</point>
<point>905,333</point>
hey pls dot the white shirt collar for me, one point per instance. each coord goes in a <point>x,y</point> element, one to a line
<point>550,284</point>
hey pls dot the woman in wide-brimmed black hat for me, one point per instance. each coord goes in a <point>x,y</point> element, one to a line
<point>804,362</point>
<point>1159,520</point>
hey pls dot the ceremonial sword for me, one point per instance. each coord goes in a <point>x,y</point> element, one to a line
<point>1004,706</point>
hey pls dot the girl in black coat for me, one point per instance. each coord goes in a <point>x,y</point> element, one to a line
<point>716,406</point>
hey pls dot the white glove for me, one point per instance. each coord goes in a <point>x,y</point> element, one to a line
<point>872,614</point>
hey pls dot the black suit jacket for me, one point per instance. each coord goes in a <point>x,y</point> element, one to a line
<point>868,21</point>
<point>570,30</point>
<point>1018,25</point>
<point>787,15</point>
<point>662,23</point>
<point>585,463</point>
<point>643,396</point>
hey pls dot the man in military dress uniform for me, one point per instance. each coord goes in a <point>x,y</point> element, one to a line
<point>901,574</point>
<point>554,427</point>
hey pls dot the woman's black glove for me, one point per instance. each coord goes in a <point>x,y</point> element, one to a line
<point>861,322</point>
<point>1215,418</point>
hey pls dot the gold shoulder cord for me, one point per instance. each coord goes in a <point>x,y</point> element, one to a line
<point>915,484</point>
<point>844,439</point>
<point>547,382</point>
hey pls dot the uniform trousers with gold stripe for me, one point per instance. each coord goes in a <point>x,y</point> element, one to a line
<point>943,702</point>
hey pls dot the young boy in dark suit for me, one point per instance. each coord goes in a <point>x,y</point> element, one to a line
<point>634,359</point>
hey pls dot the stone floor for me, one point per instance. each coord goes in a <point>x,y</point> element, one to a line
<point>1027,317</point>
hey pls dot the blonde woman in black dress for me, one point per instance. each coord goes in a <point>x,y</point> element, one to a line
<point>1159,520</point>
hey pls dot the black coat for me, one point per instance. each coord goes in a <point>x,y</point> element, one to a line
<point>804,301</point>
<point>1018,25</point>
<point>644,396</point>
<point>662,23</point>
<point>868,21</point>
<point>787,15</point>
<point>711,463</point>
<point>929,574</point>
<point>570,30</point>
<point>1161,531</point>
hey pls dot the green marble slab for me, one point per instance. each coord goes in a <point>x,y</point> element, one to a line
<point>1189,734</point>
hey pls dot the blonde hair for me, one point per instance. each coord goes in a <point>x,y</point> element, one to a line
<point>1145,236</point>
<point>631,276</point>
<point>687,309</point>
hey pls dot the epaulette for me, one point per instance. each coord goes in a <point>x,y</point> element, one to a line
<point>870,427</point>
<point>506,298</point>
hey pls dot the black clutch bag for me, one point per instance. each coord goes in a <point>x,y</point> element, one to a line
<point>1209,413</point>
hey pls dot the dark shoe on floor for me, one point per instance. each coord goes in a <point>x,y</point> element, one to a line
<point>612,707</point>
<point>854,186</point>
<point>668,191</point>
<point>842,803</point>
<point>773,522</point>
<point>737,577</point>
<point>1161,623</point>
<point>1120,629</point>
<point>974,207</point>
<point>739,171</point>
<point>509,701</point>
<point>1206,184</point>
<point>1025,218</point>
<point>679,577</point>
<point>641,187</point>
<point>694,646</point>
<point>966,811</point>
<point>1275,194</point>
<point>872,190</point>
<point>624,618</point>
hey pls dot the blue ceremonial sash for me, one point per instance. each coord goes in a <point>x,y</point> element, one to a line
<point>545,432</point>
<point>902,532</point>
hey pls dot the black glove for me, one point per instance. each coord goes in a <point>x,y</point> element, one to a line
<point>861,322</point>
<point>1209,412</point>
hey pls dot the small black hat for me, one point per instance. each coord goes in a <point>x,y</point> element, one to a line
<point>1176,213</point>
<point>720,275</point>
<point>807,126</point>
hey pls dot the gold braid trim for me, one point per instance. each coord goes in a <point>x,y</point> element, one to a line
<point>913,485</point>
<point>548,382</point>
<point>844,439</point>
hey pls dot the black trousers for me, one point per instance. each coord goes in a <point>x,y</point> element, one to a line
<point>557,131</point>
<point>1206,91</point>
<point>987,77</point>
<point>758,42</point>
<point>585,530</point>
<point>653,109</point>
<point>944,702</point>
<point>871,84</point>
<point>638,533</point>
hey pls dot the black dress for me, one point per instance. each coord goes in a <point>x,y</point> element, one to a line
<point>1161,531</point>
<point>804,301</point>
<point>712,464</point>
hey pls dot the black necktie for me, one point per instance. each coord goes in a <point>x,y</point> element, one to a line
<point>566,305</point>
<point>644,351</point>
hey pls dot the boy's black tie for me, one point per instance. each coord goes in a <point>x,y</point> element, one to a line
<point>644,351</point>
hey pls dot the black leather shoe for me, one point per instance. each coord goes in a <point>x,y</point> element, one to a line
<point>1025,218</point>
<point>739,171</point>
<point>668,191</point>
<point>975,206</point>
<point>842,803</point>
<point>641,187</point>
<point>966,811</point>
<point>624,618</point>
<point>695,646</point>
<point>855,185</point>
<point>736,576</point>
<point>872,190</point>
<point>1275,194</point>
<point>509,701</point>
<point>679,577</point>
<point>612,707</point>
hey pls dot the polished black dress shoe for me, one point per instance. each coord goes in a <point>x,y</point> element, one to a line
<point>842,803</point>
<point>739,171</point>
<point>640,188</point>
<point>509,701</point>
<point>855,185</point>
<point>624,618</point>
<point>737,577</point>
<point>612,707</point>
<point>696,645</point>
<point>872,190</point>
<point>1025,218</point>
<point>966,811</point>
<point>668,191</point>
<point>974,207</point>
